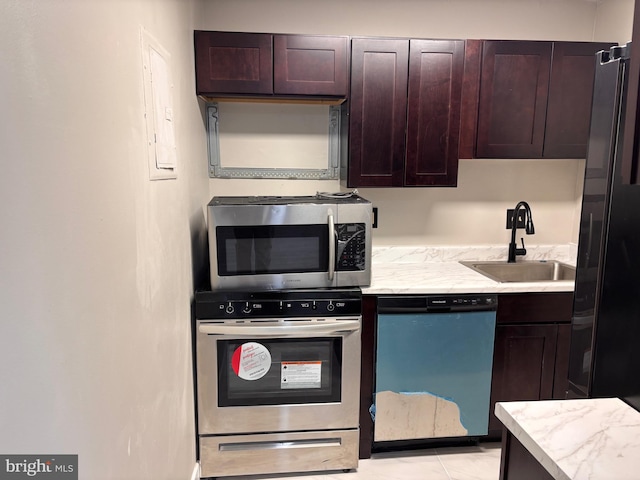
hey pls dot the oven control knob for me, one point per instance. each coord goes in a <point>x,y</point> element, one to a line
<point>230,308</point>
<point>247,308</point>
<point>330,306</point>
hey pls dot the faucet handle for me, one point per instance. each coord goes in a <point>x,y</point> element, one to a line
<point>523,250</point>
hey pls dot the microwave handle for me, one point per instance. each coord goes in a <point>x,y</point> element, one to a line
<point>332,247</point>
<point>280,331</point>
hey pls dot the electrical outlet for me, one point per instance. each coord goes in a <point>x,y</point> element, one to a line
<point>519,223</point>
<point>375,218</point>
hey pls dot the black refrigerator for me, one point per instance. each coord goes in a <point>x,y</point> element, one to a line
<point>604,358</point>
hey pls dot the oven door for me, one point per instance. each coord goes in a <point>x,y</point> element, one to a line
<point>278,376</point>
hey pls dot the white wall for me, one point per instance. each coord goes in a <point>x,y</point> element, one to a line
<point>486,187</point>
<point>614,21</point>
<point>514,19</point>
<point>96,261</point>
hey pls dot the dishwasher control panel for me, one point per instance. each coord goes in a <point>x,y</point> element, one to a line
<point>437,303</point>
<point>467,300</point>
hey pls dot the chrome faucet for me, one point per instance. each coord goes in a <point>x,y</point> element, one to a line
<point>529,229</point>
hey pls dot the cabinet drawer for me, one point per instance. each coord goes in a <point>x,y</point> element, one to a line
<point>547,307</point>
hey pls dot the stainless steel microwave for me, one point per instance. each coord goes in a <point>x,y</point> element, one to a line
<point>272,243</point>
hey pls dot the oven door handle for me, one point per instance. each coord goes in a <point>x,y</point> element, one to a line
<point>281,331</point>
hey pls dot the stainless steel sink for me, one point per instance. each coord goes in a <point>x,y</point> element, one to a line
<point>524,271</point>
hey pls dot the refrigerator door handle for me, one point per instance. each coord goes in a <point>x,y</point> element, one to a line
<point>589,241</point>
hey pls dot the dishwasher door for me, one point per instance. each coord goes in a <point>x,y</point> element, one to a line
<point>433,374</point>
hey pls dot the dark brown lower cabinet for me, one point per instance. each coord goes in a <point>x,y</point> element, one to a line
<point>561,375</point>
<point>523,365</point>
<point>530,360</point>
<point>517,463</point>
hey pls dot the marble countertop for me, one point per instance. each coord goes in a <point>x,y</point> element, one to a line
<point>424,270</point>
<point>594,439</point>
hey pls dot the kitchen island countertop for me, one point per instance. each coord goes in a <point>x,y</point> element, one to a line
<point>433,270</point>
<point>594,439</point>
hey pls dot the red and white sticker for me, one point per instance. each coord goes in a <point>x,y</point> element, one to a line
<point>251,361</point>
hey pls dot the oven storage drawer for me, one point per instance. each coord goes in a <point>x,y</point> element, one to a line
<point>278,453</point>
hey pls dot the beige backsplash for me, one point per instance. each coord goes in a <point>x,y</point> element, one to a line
<point>474,213</point>
<point>425,254</point>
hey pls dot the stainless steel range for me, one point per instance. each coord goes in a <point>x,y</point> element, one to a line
<point>278,380</point>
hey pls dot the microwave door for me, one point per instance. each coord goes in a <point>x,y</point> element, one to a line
<point>271,247</point>
<point>275,256</point>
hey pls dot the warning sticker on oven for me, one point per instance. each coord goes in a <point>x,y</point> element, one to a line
<point>251,361</point>
<point>300,374</point>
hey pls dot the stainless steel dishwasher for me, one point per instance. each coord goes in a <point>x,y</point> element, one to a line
<point>434,356</point>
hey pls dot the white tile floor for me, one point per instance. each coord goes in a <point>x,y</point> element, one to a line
<point>480,462</point>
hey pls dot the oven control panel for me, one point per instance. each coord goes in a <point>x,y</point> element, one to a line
<point>283,304</point>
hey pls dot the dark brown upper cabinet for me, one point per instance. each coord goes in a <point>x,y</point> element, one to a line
<point>433,114</point>
<point>377,112</point>
<point>630,160</point>
<point>535,98</point>
<point>261,64</point>
<point>570,94</point>
<point>310,65</point>
<point>514,86</point>
<point>230,62</point>
<point>404,112</point>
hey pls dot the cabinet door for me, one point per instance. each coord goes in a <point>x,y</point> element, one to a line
<point>561,374</point>
<point>433,119</point>
<point>233,63</point>
<point>310,65</point>
<point>570,91</point>
<point>470,98</point>
<point>513,99</point>
<point>523,365</point>
<point>378,106</point>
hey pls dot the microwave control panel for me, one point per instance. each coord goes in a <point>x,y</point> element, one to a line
<point>351,248</point>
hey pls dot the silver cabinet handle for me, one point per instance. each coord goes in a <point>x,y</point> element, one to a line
<point>332,247</point>
<point>280,330</point>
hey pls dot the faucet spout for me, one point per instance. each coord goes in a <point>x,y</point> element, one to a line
<point>529,229</point>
